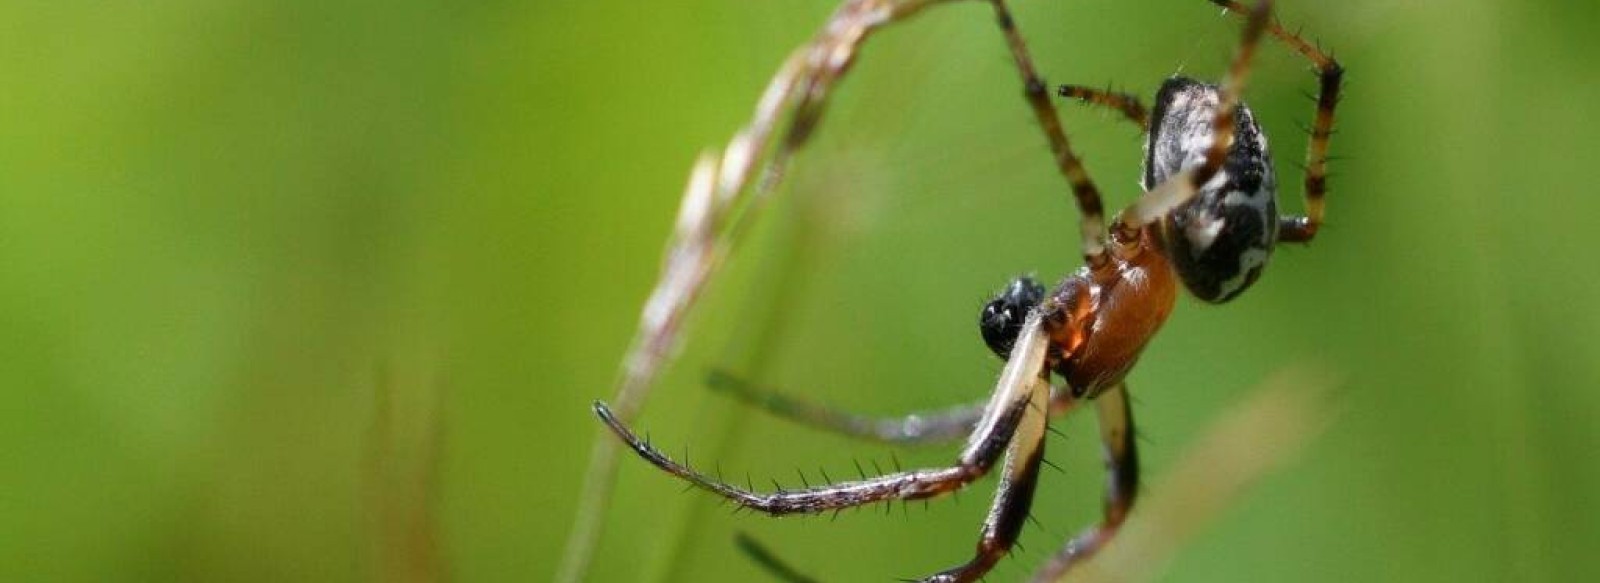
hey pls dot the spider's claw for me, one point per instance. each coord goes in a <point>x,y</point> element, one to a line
<point>622,431</point>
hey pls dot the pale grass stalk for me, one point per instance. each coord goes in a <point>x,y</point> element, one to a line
<point>719,200</point>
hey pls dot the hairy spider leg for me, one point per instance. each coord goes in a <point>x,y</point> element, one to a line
<point>1301,229</point>
<point>923,427</point>
<point>1006,411</point>
<point>1122,483</point>
<point>1129,106</point>
<point>906,485</point>
<point>1013,426</point>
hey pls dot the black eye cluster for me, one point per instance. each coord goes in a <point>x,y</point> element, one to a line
<point>1003,316</point>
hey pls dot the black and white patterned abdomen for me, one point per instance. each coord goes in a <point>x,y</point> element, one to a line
<point>1220,240</point>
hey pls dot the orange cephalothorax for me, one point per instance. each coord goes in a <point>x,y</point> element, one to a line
<point>1106,314</point>
<point>1099,319</point>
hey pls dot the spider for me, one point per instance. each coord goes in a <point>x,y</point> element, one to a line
<point>1208,218</point>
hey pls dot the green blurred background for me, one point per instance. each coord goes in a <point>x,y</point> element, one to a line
<point>322,291</point>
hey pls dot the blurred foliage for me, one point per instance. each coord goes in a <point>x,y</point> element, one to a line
<point>297,290</point>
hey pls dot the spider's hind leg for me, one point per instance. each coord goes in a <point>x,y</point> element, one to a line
<point>1330,75</point>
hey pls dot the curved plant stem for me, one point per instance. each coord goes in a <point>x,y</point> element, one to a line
<point>726,193</point>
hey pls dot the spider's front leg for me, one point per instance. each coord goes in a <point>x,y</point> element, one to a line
<point>1330,76</point>
<point>916,484</point>
<point>1007,411</point>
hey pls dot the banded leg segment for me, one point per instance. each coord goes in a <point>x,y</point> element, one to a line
<point>1122,484</point>
<point>1092,225</point>
<point>1129,106</point>
<point>917,428</point>
<point>1330,75</point>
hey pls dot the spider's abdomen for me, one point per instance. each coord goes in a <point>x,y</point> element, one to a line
<point>1219,241</point>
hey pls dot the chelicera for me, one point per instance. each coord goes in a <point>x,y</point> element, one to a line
<point>1207,221</point>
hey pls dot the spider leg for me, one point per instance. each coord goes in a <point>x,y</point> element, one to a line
<point>1131,108</point>
<point>1155,203</point>
<point>1301,229</point>
<point>1014,496</point>
<point>1092,225</point>
<point>1122,467</point>
<point>1008,409</point>
<point>933,426</point>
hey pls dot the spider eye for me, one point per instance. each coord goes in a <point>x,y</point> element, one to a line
<point>1003,316</point>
